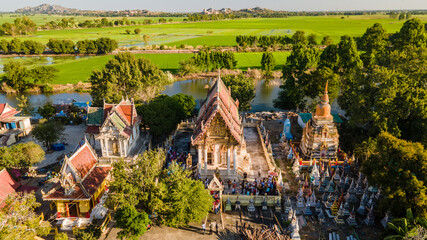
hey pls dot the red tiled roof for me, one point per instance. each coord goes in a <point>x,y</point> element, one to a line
<point>60,194</point>
<point>92,129</point>
<point>93,181</point>
<point>107,109</point>
<point>7,185</point>
<point>83,160</point>
<point>219,100</point>
<point>91,184</point>
<point>2,106</point>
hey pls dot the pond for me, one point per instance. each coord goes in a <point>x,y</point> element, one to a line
<point>265,90</point>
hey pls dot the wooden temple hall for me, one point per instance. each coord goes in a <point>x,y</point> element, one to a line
<point>218,135</point>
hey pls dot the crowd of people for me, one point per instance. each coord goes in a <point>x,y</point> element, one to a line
<point>257,187</point>
<point>173,155</point>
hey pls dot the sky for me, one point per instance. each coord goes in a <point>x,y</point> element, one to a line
<point>199,5</point>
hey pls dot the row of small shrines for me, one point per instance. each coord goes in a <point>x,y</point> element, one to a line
<point>343,200</point>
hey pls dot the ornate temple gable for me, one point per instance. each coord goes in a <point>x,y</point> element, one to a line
<point>218,103</point>
<point>218,132</point>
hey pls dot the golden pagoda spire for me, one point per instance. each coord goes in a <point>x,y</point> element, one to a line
<point>323,109</point>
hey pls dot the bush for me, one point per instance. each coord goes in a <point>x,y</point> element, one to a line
<point>61,236</point>
<point>46,89</point>
<point>92,232</point>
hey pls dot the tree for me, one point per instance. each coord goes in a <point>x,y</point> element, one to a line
<point>408,227</point>
<point>399,168</point>
<point>91,232</point>
<point>312,39</point>
<point>47,111</point>
<point>127,31</point>
<point>23,105</point>
<point>242,89</point>
<point>136,183</point>
<point>171,193</point>
<point>162,114</point>
<point>48,133</point>
<point>412,33</point>
<point>16,76</point>
<point>348,54</point>
<point>15,45</point>
<point>187,200</point>
<point>126,75</point>
<point>21,156</point>
<point>268,62</point>
<point>187,102</point>
<point>4,46</point>
<point>291,95</point>
<point>137,31</point>
<point>43,74</point>
<point>61,46</point>
<point>390,97</point>
<point>61,236</point>
<point>132,222</point>
<point>401,16</point>
<point>327,40</point>
<point>19,220</point>
<point>374,39</point>
<point>299,37</point>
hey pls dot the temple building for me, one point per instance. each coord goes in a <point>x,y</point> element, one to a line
<point>218,134</point>
<point>113,128</point>
<point>320,134</point>
<point>82,184</point>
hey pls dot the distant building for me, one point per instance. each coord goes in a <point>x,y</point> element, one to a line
<point>12,125</point>
<point>320,134</point>
<point>82,184</point>
<point>218,135</point>
<point>113,128</point>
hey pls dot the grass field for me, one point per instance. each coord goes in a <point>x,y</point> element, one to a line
<point>219,33</point>
<point>74,70</point>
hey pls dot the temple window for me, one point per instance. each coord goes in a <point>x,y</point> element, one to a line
<point>210,158</point>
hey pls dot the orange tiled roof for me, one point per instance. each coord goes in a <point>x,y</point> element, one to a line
<point>83,160</point>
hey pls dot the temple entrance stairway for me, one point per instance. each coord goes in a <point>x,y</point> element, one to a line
<point>254,148</point>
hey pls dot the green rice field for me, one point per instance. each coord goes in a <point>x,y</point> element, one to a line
<point>217,33</point>
<point>78,69</point>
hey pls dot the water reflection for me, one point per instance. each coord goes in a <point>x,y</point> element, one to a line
<point>266,92</point>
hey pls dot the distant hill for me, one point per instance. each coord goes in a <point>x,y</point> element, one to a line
<point>47,9</point>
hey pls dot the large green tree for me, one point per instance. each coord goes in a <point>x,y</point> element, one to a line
<point>374,39</point>
<point>399,168</point>
<point>19,220</point>
<point>170,193</point>
<point>48,133</point>
<point>301,60</point>
<point>413,32</point>
<point>187,102</point>
<point>23,155</point>
<point>162,114</point>
<point>132,222</point>
<point>242,89</point>
<point>16,76</point>
<point>124,74</point>
<point>187,200</point>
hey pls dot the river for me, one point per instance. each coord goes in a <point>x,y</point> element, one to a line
<point>266,92</point>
